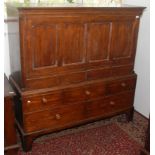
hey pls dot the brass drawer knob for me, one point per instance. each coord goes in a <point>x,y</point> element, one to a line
<point>87,92</point>
<point>123,84</point>
<point>44,100</point>
<point>58,116</point>
<point>28,101</point>
<point>112,103</point>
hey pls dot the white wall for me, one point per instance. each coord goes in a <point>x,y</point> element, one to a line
<point>142,62</point>
<point>6,52</point>
<point>13,45</point>
<point>142,96</point>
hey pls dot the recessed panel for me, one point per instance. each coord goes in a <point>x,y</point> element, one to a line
<point>72,43</point>
<point>98,41</point>
<point>44,44</point>
<point>121,39</point>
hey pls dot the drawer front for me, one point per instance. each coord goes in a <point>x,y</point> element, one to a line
<point>89,91</point>
<point>76,94</point>
<point>43,101</point>
<point>96,90</point>
<point>109,105</point>
<point>121,85</point>
<point>54,118</point>
<point>105,88</point>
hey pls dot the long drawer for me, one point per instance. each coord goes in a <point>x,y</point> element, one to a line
<point>75,113</point>
<point>109,105</point>
<point>42,101</point>
<point>54,118</point>
<point>86,92</point>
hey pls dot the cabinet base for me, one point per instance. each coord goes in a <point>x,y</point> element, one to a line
<point>28,138</point>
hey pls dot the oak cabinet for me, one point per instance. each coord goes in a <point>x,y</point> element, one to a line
<point>76,66</point>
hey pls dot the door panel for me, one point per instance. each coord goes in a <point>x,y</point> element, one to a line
<point>55,46</point>
<point>121,40</point>
<point>72,43</point>
<point>44,46</point>
<point>98,41</point>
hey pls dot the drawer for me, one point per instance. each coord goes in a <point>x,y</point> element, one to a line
<point>96,90</point>
<point>120,85</point>
<point>76,94</point>
<point>54,118</point>
<point>109,105</point>
<point>99,89</point>
<point>87,92</point>
<point>41,101</point>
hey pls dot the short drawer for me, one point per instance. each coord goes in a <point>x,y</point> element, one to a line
<point>41,101</point>
<point>81,94</point>
<point>109,105</point>
<point>120,85</point>
<point>101,89</point>
<point>75,94</point>
<point>54,118</point>
<point>96,90</point>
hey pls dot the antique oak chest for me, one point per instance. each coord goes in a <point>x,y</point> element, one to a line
<point>75,66</point>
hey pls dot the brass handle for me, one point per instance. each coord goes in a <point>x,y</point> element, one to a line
<point>58,116</point>
<point>44,100</point>
<point>87,92</point>
<point>28,101</point>
<point>112,103</point>
<point>123,84</point>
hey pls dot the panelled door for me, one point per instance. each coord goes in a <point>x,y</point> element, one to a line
<point>111,40</point>
<point>63,44</point>
<point>55,45</point>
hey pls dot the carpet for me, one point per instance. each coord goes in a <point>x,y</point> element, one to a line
<point>108,139</point>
